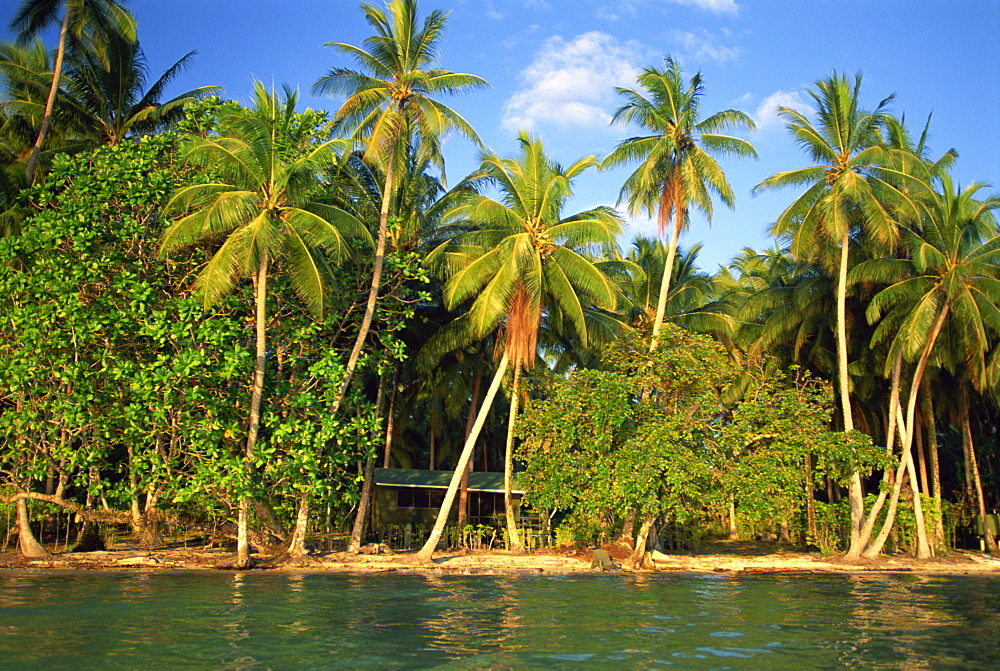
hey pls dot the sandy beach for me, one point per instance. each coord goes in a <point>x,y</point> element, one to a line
<point>718,557</point>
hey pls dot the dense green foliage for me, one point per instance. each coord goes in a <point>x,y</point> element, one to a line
<point>215,312</point>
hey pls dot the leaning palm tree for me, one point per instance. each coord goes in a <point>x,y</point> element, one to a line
<point>391,106</point>
<point>856,180</point>
<point>86,21</point>
<point>677,169</point>
<point>521,260</point>
<point>260,212</point>
<point>952,272</point>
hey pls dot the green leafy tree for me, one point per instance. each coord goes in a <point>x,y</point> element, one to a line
<point>676,169</point>
<point>261,208</point>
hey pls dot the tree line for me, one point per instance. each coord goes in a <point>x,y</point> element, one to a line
<point>222,316</point>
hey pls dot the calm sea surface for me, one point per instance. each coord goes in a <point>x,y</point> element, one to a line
<point>218,620</point>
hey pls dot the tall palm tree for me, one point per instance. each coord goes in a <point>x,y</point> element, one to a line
<point>677,169</point>
<point>390,105</point>
<point>259,213</point>
<point>522,260</point>
<point>854,181</point>
<point>952,270</point>
<point>89,21</point>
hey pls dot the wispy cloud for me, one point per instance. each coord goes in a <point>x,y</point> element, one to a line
<point>571,83</point>
<point>717,6</point>
<point>766,115</point>
<point>705,46</point>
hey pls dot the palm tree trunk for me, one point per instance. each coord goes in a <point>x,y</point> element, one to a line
<point>856,493</point>
<point>514,539</point>
<point>668,270</point>
<point>932,449</point>
<point>906,459</point>
<point>366,322</point>
<point>810,498</point>
<point>358,531</point>
<point>463,485</point>
<point>427,551</point>
<point>991,544</point>
<point>50,102</point>
<point>390,417</point>
<point>890,442</point>
<point>260,298</point>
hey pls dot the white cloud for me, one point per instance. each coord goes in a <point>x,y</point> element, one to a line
<point>704,46</point>
<point>766,115</point>
<point>717,6</point>
<point>492,13</point>
<point>571,83</point>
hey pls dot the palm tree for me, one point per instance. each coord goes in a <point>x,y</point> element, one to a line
<point>693,298</point>
<point>523,260</point>
<point>951,270</point>
<point>676,167</point>
<point>25,72</point>
<point>90,21</point>
<point>853,181</point>
<point>390,106</point>
<point>107,98</point>
<point>261,210</point>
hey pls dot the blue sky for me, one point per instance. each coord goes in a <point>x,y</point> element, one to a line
<point>553,66</point>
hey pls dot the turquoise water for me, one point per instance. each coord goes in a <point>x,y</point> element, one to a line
<point>258,620</point>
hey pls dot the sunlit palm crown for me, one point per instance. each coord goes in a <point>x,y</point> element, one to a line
<point>676,167</point>
<point>857,179</point>
<point>392,93</point>
<point>269,162</point>
<point>522,255</point>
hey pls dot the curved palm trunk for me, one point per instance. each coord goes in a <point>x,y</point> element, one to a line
<point>427,551</point>
<point>927,408</point>
<point>50,102</point>
<point>361,518</point>
<point>366,322</point>
<point>668,271</point>
<point>906,458</point>
<point>463,485</point>
<point>855,492</point>
<point>890,441</point>
<point>514,539</point>
<point>260,298</point>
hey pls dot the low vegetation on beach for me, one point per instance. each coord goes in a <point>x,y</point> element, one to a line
<point>220,317</point>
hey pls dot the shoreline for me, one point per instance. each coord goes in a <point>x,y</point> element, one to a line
<point>499,562</point>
